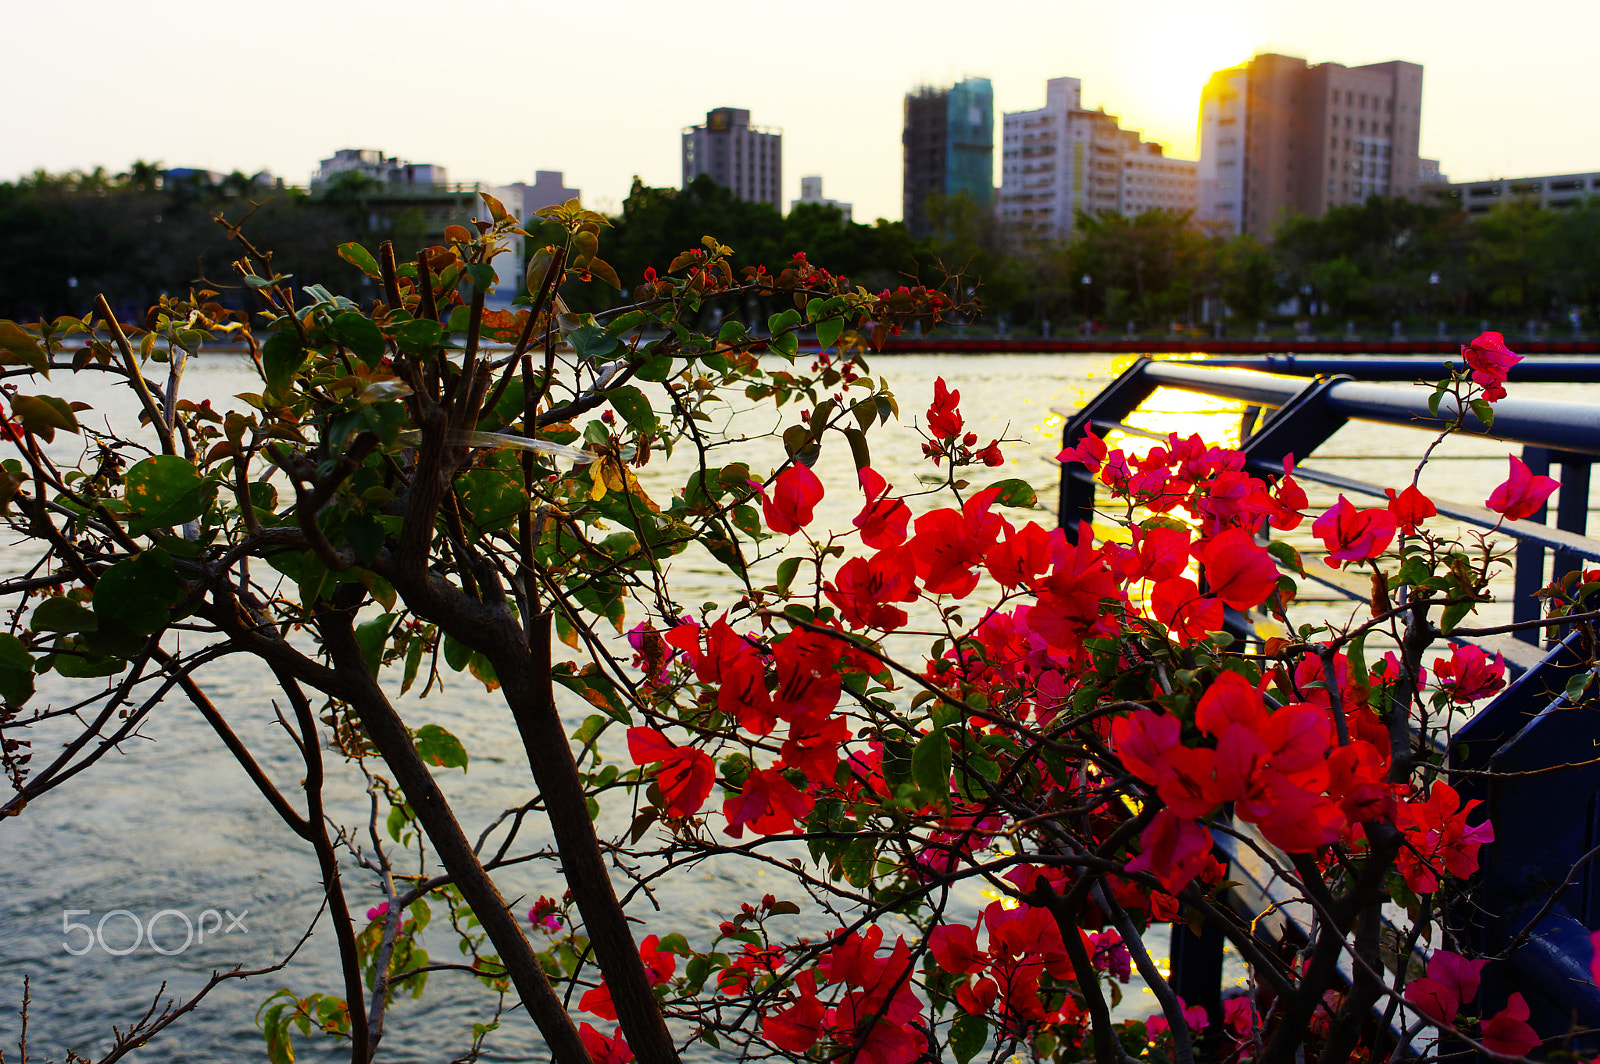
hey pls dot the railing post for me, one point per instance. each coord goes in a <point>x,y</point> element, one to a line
<point>1572,509</point>
<point>1196,967</point>
<point>1116,401</point>
<point>1530,556</point>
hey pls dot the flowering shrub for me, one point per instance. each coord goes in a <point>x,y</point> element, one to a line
<point>942,697</point>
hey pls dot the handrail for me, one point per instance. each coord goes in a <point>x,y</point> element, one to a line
<point>1543,370</point>
<point>1558,424</point>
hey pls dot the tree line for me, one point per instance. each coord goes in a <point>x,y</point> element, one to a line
<point>138,234</point>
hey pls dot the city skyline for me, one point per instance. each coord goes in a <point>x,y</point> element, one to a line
<point>118,84</point>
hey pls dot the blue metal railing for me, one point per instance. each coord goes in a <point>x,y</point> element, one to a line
<point>1533,754</point>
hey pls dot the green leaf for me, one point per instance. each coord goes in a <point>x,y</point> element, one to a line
<point>930,763</point>
<point>138,592</point>
<point>1014,492</point>
<point>456,654</point>
<point>76,660</point>
<point>281,358</point>
<point>414,651</point>
<point>418,336</point>
<point>655,369</point>
<point>858,447</point>
<point>828,330</point>
<point>1435,399</point>
<point>18,348</point>
<point>439,748</point>
<point>164,491</point>
<point>43,414</point>
<point>801,444</point>
<point>16,671</point>
<point>359,334</point>
<point>592,341</point>
<point>1575,686</point>
<point>371,636</point>
<point>1484,411</point>
<point>781,336</point>
<point>365,534</point>
<point>1453,615</point>
<point>635,409</point>
<point>1287,556</point>
<point>482,275</point>
<point>360,258</point>
<point>968,1036</point>
<point>786,570</point>
<point>61,614</point>
<point>490,498</point>
<point>747,520</point>
<point>857,862</point>
<point>604,271</point>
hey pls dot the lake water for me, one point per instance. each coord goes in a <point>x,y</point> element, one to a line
<point>172,824</point>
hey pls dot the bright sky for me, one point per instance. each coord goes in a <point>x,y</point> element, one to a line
<point>497,89</point>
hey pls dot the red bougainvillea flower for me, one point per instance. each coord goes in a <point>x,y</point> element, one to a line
<point>1239,571</point>
<point>1190,616</point>
<point>1289,501</point>
<point>1469,673</point>
<point>955,949</point>
<point>1437,830</point>
<point>944,420</point>
<point>1490,359</point>
<point>950,543</point>
<point>1452,980</point>
<point>659,967</point>
<point>1173,849</point>
<point>1353,535</point>
<point>1507,1033</point>
<point>1410,508</point>
<point>883,520</point>
<point>990,455</point>
<point>795,495</point>
<point>603,1050</point>
<point>1023,555</point>
<point>1523,494</point>
<point>734,668</point>
<point>1194,1015</point>
<point>1090,452</point>
<point>864,587</point>
<point>685,775</point>
<point>768,805</point>
<point>800,1026</point>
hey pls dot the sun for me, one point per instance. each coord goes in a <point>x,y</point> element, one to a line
<point>1165,68</point>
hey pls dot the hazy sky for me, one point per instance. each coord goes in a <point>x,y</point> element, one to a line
<point>496,89</point>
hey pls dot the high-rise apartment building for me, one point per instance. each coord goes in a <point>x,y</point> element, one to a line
<point>747,160</point>
<point>948,144</point>
<point>1062,159</point>
<point>1280,137</point>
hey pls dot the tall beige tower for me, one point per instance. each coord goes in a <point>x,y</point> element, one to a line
<point>1279,137</point>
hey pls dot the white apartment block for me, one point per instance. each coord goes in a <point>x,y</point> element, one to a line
<point>1221,170</point>
<point>1062,159</point>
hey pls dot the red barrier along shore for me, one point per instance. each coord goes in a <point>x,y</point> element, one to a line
<point>1109,345</point>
